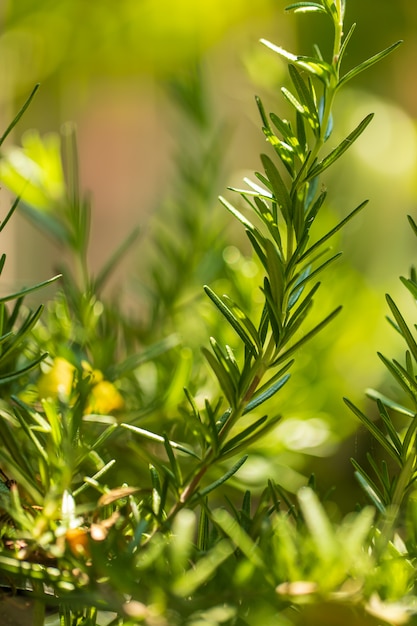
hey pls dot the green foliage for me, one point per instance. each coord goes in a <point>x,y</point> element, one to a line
<point>391,488</point>
<point>124,459</point>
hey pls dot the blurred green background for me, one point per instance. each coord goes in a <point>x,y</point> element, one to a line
<point>105,66</point>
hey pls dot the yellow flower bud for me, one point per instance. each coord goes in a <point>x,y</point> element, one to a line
<point>57,382</point>
<point>104,398</point>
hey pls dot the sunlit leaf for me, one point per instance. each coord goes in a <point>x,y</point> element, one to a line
<point>374,430</point>
<point>238,536</point>
<point>312,333</point>
<point>304,7</point>
<point>369,487</point>
<point>19,115</point>
<point>158,438</point>
<point>222,376</point>
<point>266,393</point>
<point>333,231</point>
<point>318,523</point>
<point>203,570</point>
<point>236,214</point>
<point>306,97</point>
<point>391,404</point>
<point>341,148</point>
<point>26,290</point>
<point>405,331</point>
<point>220,481</point>
<point>116,494</point>
<point>366,64</point>
<point>236,318</point>
<point>279,188</point>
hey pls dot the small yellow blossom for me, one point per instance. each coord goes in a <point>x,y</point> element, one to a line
<point>104,398</point>
<point>57,382</point>
<point>95,376</point>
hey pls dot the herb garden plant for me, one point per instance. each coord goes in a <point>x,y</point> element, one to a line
<point>121,447</point>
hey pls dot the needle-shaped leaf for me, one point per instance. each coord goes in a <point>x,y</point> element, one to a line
<point>212,427</point>
<point>313,65</point>
<point>408,383</point>
<point>175,466</point>
<point>410,285</point>
<point>311,275</point>
<point>283,127</point>
<point>366,64</point>
<point>285,152</point>
<point>329,128</point>
<point>241,540</point>
<point>391,404</point>
<point>222,375</point>
<point>324,71</point>
<point>147,434</point>
<point>331,232</point>
<point>306,97</point>
<point>284,355</point>
<point>220,481</point>
<point>246,223</point>
<point>276,377</point>
<point>341,148</point>
<point>315,208</point>
<point>255,242</point>
<point>227,359</point>
<point>278,186</point>
<point>250,439</point>
<point>258,189</point>
<point>26,290</point>
<point>301,136</point>
<point>318,523</point>
<point>412,224</point>
<point>405,331</point>
<point>269,218</point>
<point>203,570</point>
<point>10,376</point>
<point>243,319</point>
<point>276,276</point>
<point>374,430</point>
<point>237,319</point>
<point>345,43</point>
<point>300,314</point>
<point>313,185</point>
<point>19,115</point>
<point>258,194</point>
<point>304,7</point>
<point>391,430</point>
<point>31,434</point>
<point>244,434</point>
<point>21,469</point>
<point>369,487</point>
<point>293,100</point>
<point>25,328</point>
<point>267,392</point>
<point>8,216</point>
<point>296,289</point>
<point>273,313</point>
<point>336,10</point>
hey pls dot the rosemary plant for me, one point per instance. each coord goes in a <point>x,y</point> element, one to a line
<point>393,489</point>
<point>153,546</point>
